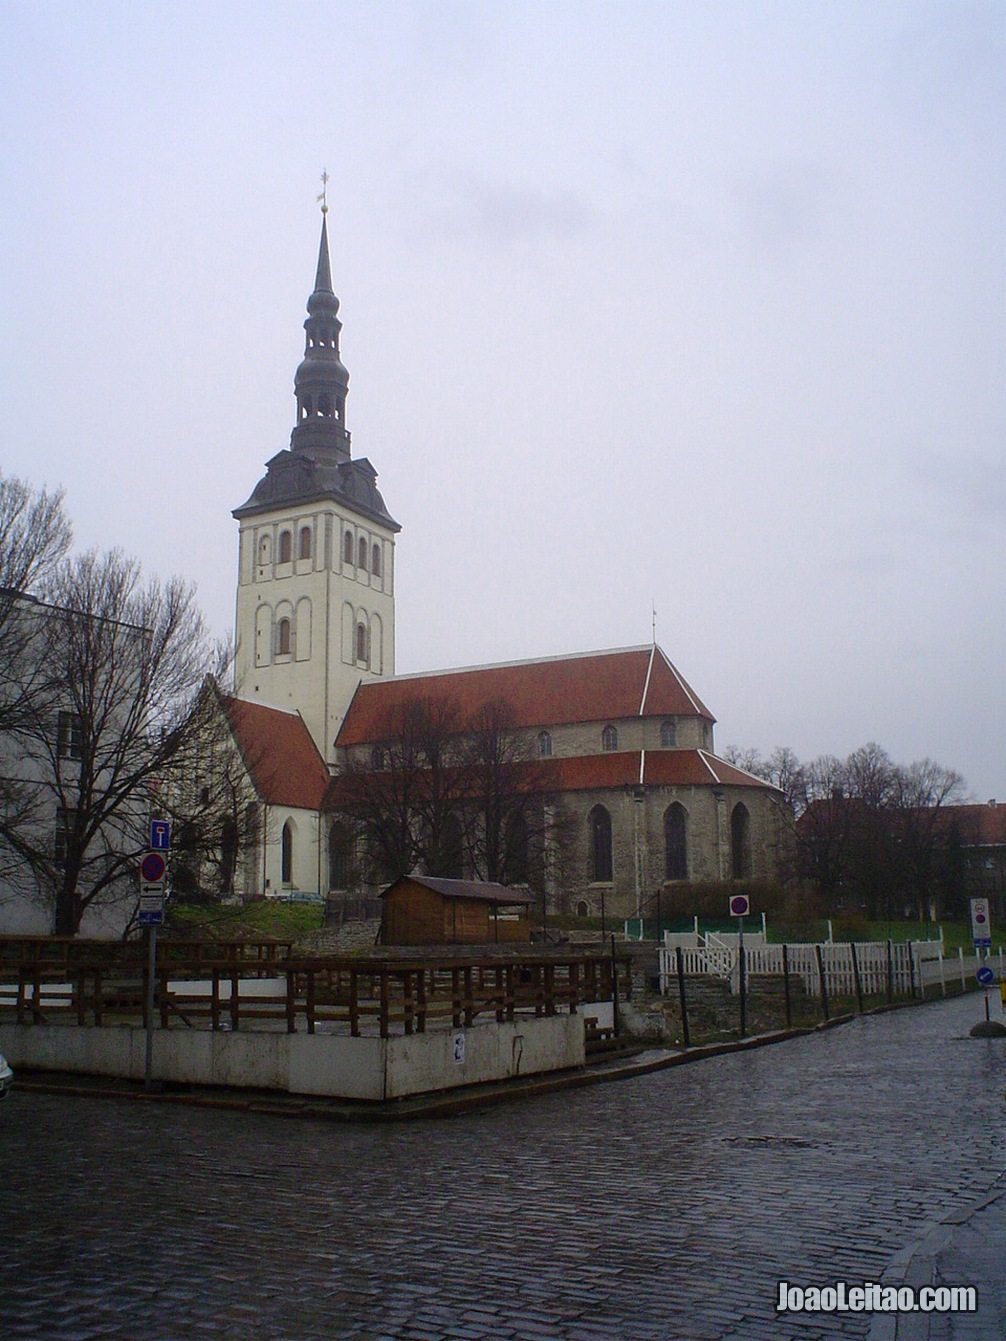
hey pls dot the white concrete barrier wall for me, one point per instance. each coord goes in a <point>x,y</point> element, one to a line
<point>332,1065</point>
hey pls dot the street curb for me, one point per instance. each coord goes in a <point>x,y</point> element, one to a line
<point>399,1110</point>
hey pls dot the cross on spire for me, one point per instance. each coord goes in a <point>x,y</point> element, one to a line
<point>323,198</point>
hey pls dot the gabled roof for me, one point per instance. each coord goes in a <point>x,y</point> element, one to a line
<point>278,752</point>
<point>590,687</point>
<point>978,825</point>
<point>486,891</point>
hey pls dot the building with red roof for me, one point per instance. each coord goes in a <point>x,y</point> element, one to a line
<point>612,786</point>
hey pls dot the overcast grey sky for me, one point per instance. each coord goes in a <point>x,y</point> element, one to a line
<point>693,303</point>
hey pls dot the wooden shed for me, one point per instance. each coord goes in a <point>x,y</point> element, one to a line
<point>424,910</point>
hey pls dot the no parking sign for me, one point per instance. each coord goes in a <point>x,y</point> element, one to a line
<point>740,905</point>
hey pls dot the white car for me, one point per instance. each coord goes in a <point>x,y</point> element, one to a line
<point>6,1077</point>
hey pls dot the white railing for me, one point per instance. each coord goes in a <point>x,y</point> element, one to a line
<point>906,966</point>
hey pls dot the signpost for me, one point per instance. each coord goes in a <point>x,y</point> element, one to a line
<point>981,934</point>
<point>740,906</point>
<point>151,916</point>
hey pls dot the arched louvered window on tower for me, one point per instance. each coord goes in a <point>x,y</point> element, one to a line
<point>361,643</point>
<point>283,638</point>
<point>375,561</point>
<point>347,547</point>
<point>285,547</point>
<point>305,542</point>
<point>609,738</point>
<point>361,561</point>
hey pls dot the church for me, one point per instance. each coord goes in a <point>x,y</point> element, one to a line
<point>614,746</point>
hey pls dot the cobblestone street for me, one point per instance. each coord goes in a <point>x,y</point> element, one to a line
<point>666,1207</point>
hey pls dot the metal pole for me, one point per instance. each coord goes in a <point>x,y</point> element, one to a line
<point>681,994</point>
<point>785,985</point>
<point>148,1082</point>
<point>855,974</point>
<point>740,967</point>
<point>824,984</point>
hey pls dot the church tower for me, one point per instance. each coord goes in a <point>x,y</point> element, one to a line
<point>316,566</point>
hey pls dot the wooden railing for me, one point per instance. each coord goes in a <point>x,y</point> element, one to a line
<point>235,986</point>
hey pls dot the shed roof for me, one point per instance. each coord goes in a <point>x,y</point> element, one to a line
<point>486,891</point>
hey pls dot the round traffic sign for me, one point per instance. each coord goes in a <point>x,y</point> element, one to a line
<point>740,905</point>
<point>986,976</point>
<point>152,868</point>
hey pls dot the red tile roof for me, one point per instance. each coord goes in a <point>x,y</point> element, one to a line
<point>279,754</point>
<point>594,687</point>
<point>978,825</point>
<point>600,772</point>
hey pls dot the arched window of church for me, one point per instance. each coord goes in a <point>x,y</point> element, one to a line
<point>740,842</point>
<point>305,408</point>
<point>286,854</point>
<point>517,851</point>
<point>285,546</point>
<point>582,910</point>
<point>305,542</point>
<point>669,734</point>
<point>340,856</point>
<point>675,842</point>
<point>544,745</point>
<point>375,561</point>
<point>362,560</point>
<point>609,738</point>
<point>347,548</point>
<point>361,642</point>
<point>283,638</point>
<point>600,845</point>
<point>450,859</point>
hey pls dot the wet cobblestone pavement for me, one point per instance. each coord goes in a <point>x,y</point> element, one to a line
<point>663,1207</point>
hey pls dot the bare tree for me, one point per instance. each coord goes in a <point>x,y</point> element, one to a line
<point>123,662</point>
<point>405,800</point>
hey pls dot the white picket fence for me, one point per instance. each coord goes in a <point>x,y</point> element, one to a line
<point>908,965</point>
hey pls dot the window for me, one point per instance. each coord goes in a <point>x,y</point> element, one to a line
<point>600,845</point>
<point>325,406</point>
<point>347,548</point>
<point>362,560</point>
<point>668,734</point>
<point>451,863</point>
<point>283,638</point>
<point>305,542</point>
<point>675,842</point>
<point>340,857</point>
<point>286,855</point>
<point>544,745</point>
<point>609,738</point>
<point>65,821</point>
<point>285,547</point>
<point>375,561</point>
<point>582,909</point>
<point>361,642</point>
<point>68,735</point>
<point>517,851</point>
<point>740,841</point>
<point>377,757</point>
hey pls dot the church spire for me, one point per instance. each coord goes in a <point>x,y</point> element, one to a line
<point>321,383</point>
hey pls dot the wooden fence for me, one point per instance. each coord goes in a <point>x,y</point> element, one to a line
<point>249,985</point>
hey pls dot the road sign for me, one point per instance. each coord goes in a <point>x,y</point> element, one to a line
<point>981,926</point>
<point>152,868</point>
<point>151,917</point>
<point>160,835</point>
<point>986,976</point>
<point>740,905</point>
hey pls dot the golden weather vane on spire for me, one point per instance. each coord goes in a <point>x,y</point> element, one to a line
<point>323,198</point>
